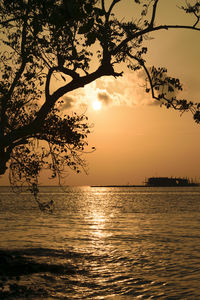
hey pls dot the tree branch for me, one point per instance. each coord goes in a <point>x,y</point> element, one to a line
<point>153,13</point>
<point>24,57</point>
<point>149,30</point>
<point>69,72</point>
<point>34,127</point>
<point>114,2</point>
<point>197,21</point>
<point>77,82</point>
<point>103,5</point>
<point>47,85</point>
<point>10,20</point>
<point>177,104</point>
<point>141,62</point>
<point>16,79</point>
<point>62,69</point>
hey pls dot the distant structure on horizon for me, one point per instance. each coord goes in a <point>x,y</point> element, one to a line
<point>166,181</point>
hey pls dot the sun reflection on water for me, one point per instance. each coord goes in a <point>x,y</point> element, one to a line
<point>99,218</point>
<point>97,224</point>
<point>108,244</point>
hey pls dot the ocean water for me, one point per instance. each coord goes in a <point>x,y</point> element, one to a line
<point>102,243</point>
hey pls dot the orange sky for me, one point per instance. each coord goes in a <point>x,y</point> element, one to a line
<point>135,139</point>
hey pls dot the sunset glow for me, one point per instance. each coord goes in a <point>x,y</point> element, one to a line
<point>96,105</point>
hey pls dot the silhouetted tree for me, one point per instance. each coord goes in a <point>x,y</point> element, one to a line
<point>46,39</point>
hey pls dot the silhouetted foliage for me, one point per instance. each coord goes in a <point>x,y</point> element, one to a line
<point>44,40</point>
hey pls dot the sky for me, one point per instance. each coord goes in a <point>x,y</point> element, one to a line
<point>134,138</point>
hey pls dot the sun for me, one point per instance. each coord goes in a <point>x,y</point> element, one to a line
<point>96,105</point>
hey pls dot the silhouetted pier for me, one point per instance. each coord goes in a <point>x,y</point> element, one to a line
<point>166,181</point>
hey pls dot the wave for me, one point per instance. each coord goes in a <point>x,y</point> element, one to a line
<point>41,273</point>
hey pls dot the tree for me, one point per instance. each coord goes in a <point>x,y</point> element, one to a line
<point>46,40</point>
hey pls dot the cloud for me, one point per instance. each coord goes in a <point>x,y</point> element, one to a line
<point>128,90</point>
<point>104,97</point>
<point>68,102</point>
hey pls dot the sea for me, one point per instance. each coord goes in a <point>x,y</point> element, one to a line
<point>101,243</point>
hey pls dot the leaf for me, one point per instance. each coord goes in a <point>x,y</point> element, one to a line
<point>88,8</point>
<point>86,27</point>
<point>99,11</point>
<point>91,38</point>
